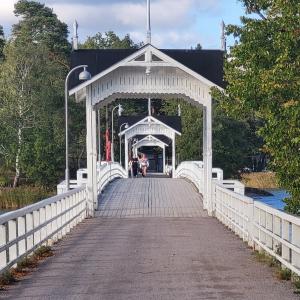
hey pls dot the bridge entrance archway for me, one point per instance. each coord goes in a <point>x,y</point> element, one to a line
<point>150,126</point>
<point>146,73</point>
<point>152,141</point>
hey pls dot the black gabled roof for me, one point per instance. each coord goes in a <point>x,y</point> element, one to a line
<point>172,121</point>
<point>208,63</point>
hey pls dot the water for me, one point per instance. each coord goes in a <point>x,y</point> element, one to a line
<point>275,201</point>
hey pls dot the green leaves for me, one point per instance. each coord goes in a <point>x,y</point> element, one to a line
<point>108,41</point>
<point>263,75</point>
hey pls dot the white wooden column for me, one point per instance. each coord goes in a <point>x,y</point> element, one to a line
<point>173,155</point>
<point>91,150</point>
<point>164,159</point>
<point>99,134</point>
<point>204,187</point>
<point>126,154</point>
<point>207,156</point>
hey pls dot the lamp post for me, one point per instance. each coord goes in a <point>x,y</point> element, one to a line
<point>84,75</point>
<point>120,110</point>
<point>126,126</point>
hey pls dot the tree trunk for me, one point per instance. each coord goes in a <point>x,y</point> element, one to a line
<point>17,162</point>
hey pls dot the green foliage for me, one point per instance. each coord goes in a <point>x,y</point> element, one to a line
<point>189,144</point>
<point>22,196</point>
<point>284,274</point>
<point>108,41</point>
<point>40,25</point>
<point>7,278</point>
<point>2,42</point>
<point>32,95</point>
<point>233,141</point>
<point>263,75</point>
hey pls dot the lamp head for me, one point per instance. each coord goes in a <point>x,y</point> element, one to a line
<point>85,75</point>
<point>120,110</point>
<point>126,125</point>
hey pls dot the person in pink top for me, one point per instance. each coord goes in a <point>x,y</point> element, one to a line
<point>144,164</point>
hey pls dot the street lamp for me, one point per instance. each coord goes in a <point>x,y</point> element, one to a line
<point>120,110</point>
<point>84,75</point>
<point>126,126</point>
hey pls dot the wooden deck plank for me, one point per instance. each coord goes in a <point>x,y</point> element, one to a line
<point>150,197</point>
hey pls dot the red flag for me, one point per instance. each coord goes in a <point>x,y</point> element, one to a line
<point>107,146</point>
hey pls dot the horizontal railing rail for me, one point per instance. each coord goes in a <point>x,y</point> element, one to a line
<point>233,210</point>
<point>262,226</point>
<point>24,230</point>
<point>108,172</point>
<point>278,233</point>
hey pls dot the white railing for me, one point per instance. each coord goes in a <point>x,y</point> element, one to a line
<point>274,231</point>
<point>193,171</point>
<point>233,210</point>
<point>25,229</point>
<point>108,172</point>
<point>262,226</point>
<point>278,233</point>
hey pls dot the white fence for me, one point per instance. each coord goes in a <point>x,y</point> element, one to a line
<point>25,229</point>
<point>108,172</point>
<point>263,227</point>
<point>47,221</point>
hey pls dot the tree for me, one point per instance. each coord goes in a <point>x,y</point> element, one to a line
<point>108,41</point>
<point>232,139</point>
<point>198,47</point>
<point>31,94</point>
<point>39,24</point>
<point>2,42</point>
<point>263,75</point>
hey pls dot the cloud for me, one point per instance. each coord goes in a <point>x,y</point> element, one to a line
<point>174,23</point>
<point>171,20</point>
<point>7,17</point>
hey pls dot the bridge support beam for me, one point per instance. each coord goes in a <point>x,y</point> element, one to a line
<point>126,155</point>
<point>207,157</point>
<point>164,159</point>
<point>91,150</point>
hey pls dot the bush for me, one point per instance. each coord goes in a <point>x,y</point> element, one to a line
<point>12,198</point>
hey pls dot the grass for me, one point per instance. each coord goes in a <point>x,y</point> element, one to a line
<point>25,266</point>
<point>260,180</point>
<point>13,198</point>
<point>282,273</point>
<point>263,257</point>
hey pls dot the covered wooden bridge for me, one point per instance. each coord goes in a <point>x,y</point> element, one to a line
<point>155,237</point>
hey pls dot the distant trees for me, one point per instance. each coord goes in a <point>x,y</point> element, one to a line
<point>233,141</point>
<point>108,40</point>
<point>32,74</point>
<point>263,75</point>
<point>31,94</point>
<point>2,42</point>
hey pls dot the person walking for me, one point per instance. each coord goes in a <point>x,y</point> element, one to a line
<point>135,167</point>
<point>144,164</point>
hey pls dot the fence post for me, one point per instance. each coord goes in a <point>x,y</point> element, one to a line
<point>250,223</point>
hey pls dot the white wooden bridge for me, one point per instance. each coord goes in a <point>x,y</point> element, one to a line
<point>186,237</point>
<point>151,238</point>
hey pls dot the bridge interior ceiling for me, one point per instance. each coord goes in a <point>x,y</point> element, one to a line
<point>146,95</point>
<point>162,83</point>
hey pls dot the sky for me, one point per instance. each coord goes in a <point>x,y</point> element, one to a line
<point>174,23</point>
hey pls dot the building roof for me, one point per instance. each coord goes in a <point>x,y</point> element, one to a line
<point>162,138</point>
<point>172,121</point>
<point>207,63</point>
